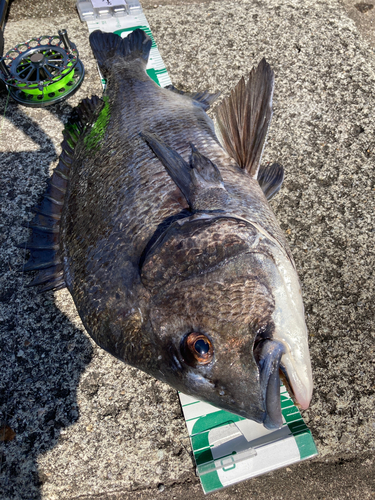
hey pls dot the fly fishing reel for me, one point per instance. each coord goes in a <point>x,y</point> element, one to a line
<point>42,71</point>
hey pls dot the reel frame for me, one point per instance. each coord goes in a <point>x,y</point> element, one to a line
<point>42,71</point>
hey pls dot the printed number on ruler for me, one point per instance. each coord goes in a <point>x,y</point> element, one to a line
<point>107,3</point>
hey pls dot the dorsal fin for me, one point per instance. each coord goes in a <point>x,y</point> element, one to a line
<point>44,242</point>
<point>205,99</point>
<point>244,117</point>
<point>270,178</point>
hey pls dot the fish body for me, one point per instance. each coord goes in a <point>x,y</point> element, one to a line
<point>165,239</point>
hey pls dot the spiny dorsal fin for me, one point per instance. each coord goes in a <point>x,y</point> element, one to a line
<point>200,181</point>
<point>270,178</point>
<point>205,99</point>
<point>244,117</point>
<point>105,46</point>
<point>44,242</point>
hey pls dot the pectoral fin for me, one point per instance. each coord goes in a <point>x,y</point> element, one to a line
<point>243,118</point>
<point>200,181</point>
<point>175,165</point>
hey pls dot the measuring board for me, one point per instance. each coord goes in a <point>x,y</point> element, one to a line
<point>120,17</point>
<point>227,448</point>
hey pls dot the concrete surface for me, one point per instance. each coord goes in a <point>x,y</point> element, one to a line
<point>363,14</point>
<point>77,423</point>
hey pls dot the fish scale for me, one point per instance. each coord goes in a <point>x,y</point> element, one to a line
<point>167,244</point>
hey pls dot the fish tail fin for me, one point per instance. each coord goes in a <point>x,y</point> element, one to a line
<point>44,241</point>
<point>105,46</point>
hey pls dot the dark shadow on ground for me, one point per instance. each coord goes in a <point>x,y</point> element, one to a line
<point>42,354</point>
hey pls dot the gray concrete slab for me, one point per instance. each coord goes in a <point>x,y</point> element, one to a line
<point>363,14</point>
<point>80,424</point>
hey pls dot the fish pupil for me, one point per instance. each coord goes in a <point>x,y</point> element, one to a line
<point>202,347</point>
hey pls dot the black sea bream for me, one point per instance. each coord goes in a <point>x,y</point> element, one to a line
<point>164,237</point>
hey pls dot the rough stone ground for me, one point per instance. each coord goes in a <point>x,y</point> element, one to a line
<point>80,424</point>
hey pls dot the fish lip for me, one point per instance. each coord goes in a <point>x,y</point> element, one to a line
<point>268,353</point>
<point>286,382</point>
<point>273,357</point>
<point>300,391</point>
<point>281,363</point>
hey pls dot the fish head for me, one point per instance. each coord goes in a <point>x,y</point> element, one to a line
<point>226,317</point>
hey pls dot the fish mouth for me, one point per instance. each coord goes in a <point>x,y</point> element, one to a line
<point>284,342</point>
<point>299,390</point>
<point>274,364</point>
<point>268,354</point>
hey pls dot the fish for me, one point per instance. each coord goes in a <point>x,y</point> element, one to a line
<point>159,226</point>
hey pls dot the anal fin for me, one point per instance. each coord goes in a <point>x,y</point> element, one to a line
<point>243,118</point>
<point>270,179</point>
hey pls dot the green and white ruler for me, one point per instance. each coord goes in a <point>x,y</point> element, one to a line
<point>227,448</point>
<point>102,15</point>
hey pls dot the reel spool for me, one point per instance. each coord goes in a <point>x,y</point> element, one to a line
<point>42,71</point>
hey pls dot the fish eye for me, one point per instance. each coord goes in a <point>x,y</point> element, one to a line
<point>197,349</point>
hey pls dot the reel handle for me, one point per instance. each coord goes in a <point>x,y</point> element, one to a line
<point>65,40</point>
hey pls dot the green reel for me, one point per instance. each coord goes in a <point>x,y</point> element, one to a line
<point>42,71</point>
